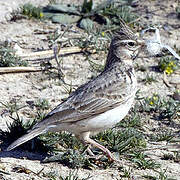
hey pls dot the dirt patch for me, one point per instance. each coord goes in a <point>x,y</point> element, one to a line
<point>26,87</point>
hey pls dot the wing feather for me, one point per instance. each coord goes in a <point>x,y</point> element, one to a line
<point>91,99</point>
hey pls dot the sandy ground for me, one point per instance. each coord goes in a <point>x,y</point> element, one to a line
<point>32,86</point>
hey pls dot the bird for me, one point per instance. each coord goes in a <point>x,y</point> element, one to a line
<point>100,103</point>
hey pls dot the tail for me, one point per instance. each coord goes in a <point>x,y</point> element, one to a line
<point>33,133</point>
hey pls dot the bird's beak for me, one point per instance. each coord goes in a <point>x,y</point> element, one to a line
<point>141,42</point>
<point>142,45</point>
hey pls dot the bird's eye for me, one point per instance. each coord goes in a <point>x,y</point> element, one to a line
<point>131,44</point>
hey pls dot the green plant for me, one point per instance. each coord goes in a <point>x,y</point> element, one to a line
<point>167,157</point>
<point>162,136</point>
<point>87,6</point>
<point>122,140</point>
<point>168,65</point>
<point>8,58</point>
<point>149,177</point>
<point>11,107</point>
<point>93,44</point>
<point>95,66</point>
<point>151,103</point>
<point>177,156</point>
<point>106,16</point>
<point>162,175</point>
<point>142,162</point>
<point>63,139</point>
<point>31,11</point>
<point>166,108</point>
<point>42,104</point>
<point>149,79</point>
<point>133,119</point>
<point>15,130</point>
<point>170,109</point>
<point>126,173</point>
<point>72,159</point>
<point>72,175</point>
<point>115,13</point>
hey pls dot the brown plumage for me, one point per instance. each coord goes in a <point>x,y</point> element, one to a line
<point>100,103</point>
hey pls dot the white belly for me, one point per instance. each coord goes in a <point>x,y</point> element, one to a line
<point>105,120</point>
<point>96,124</point>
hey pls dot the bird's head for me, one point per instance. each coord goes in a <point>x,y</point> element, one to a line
<point>125,46</point>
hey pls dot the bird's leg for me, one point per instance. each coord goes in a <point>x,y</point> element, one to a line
<point>89,151</point>
<point>84,137</point>
<point>105,150</point>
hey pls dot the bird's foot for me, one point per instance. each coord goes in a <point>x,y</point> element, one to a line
<point>110,156</point>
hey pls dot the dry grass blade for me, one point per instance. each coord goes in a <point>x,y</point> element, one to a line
<point>19,69</point>
<point>64,51</point>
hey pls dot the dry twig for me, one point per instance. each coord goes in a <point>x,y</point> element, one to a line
<point>19,69</point>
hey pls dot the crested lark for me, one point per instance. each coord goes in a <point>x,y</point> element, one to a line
<point>100,103</point>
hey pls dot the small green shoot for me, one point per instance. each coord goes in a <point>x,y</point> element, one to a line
<point>122,140</point>
<point>31,11</point>
<point>149,79</point>
<point>8,58</point>
<point>168,65</point>
<point>162,136</point>
<point>11,107</point>
<point>42,104</point>
<point>166,108</point>
<point>142,162</point>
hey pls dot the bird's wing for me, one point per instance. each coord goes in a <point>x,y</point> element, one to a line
<point>93,98</point>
